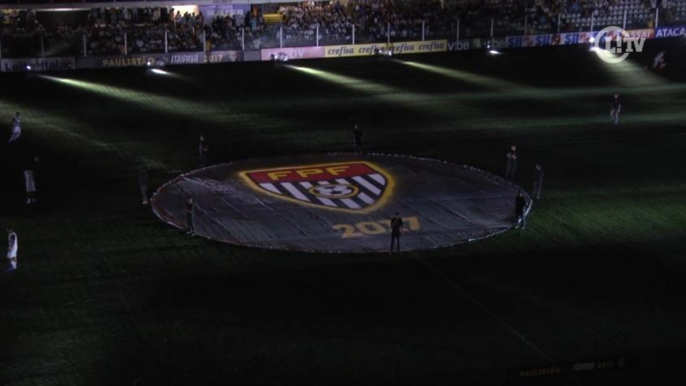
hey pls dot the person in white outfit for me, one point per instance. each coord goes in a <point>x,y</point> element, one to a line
<point>16,128</point>
<point>12,247</point>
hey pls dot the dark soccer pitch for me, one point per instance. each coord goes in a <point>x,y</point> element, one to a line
<point>108,294</point>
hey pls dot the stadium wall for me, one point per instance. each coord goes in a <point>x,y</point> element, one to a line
<point>335,51</point>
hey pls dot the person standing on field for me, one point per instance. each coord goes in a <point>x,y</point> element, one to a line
<point>12,248</point>
<point>357,136</point>
<point>538,181</point>
<point>511,163</point>
<point>396,231</point>
<point>616,109</point>
<point>190,215</point>
<point>30,184</point>
<point>16,128</point>
<point>520,209</point>
<point>143,181</point>
<point>204,150</point>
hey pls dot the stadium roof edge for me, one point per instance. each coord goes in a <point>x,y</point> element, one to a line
<point>129,4</point>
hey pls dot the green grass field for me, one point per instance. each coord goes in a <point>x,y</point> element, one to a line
<point>108,294</point>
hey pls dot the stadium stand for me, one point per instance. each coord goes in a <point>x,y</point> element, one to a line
<point>108,31</point>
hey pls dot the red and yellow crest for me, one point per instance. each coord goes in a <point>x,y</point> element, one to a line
<point>355,186</point>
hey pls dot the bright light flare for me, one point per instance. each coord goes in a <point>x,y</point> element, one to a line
<point>160,72</point>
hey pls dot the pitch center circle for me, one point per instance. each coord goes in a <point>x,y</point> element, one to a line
<point>339,203</point>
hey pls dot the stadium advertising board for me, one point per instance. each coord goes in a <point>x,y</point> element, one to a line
<point>576,38</point>
<point>515,41</point>
<point>199,57</point>
<point>419,47</point>
<point>460,45</point>
<point>185,58</point>
<point>168,59</point>
<point>202,57</point>
<point>38,64</point>
<point>530,41</point>
<point>294,52</point>
<point>496,43</point>
<point>670,32</point>
<point>349,50</point>
<point>647,33</point>
<point>125,61</point>
<point>223,56</point>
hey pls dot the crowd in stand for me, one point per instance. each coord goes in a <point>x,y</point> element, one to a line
<point>115,31</point>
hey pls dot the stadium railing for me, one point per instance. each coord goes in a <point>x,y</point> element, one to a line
<point>127,40</point>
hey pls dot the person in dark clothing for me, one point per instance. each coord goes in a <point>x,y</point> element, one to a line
<point>396,230</point>
<point>357,135</point>
<point>30,181</point>
<point>190,215</point>
<point>143,181</point>
<point>511,163</point>
<point>520,208</point>
<point>616,109</point>
<point>204,150</point>
<point>538,181</point>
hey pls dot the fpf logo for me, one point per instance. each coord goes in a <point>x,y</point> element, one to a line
<point>356,186</point>
<point>624,44</point>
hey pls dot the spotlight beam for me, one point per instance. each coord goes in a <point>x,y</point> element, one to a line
<point>627,73</point>
<point>205,111</point>
<point>651,85</point>
<point>416,101</point>
<point>464,76</point>
<point>60,125</point>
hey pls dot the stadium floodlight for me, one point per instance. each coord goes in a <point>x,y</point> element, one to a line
<point>383,51</point>
<point>160,72</point>
<point>494,52</point>
<point>280,57</point>
<point>28,68</point>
